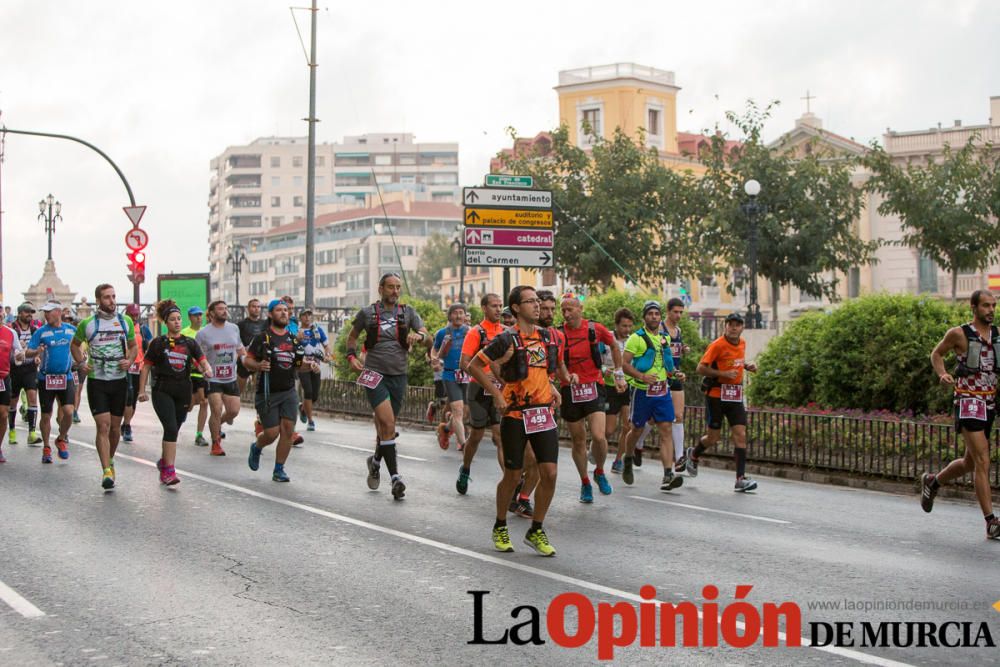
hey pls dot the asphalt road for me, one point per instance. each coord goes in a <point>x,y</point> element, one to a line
<point>230,568</point>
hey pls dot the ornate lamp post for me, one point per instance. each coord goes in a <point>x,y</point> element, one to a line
<point>237,257</point>
<point>49,213</point>
<point>752,209</point>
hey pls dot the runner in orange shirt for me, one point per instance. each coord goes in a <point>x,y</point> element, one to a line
<point>526,403</point>
<point>722,365</point>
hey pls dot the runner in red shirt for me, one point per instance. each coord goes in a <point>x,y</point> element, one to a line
<point>10,349</point>
<point>587,399</point>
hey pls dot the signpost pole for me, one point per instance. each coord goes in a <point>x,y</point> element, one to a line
<point>461,271</point>
<point>506,284</point>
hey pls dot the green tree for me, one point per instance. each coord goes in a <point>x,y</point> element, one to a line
<point>618,210</point>
<point>437,255</point>
<point>806,233</point>
<point>948,207</point>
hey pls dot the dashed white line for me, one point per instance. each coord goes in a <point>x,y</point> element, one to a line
<point>710,509</point>
<point>369,450</point>
<point>18,603</point>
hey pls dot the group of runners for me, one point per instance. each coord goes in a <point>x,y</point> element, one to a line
<point>197,366</point>
<point>514,374</point>
<point>518,378</point>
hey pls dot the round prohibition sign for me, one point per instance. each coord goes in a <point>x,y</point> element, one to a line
<point>136,239</point>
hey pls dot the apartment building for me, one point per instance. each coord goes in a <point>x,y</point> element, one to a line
<point>261,186</point>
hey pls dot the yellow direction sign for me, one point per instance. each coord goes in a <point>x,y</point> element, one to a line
<point>486,217</point>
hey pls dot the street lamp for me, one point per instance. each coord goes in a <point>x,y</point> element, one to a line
<point>237,256</point>
<point>752,209</point>
<point>49,212</point>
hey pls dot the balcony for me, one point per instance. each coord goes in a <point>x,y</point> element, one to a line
<point>244,202</point>
<point>243,162</point>
<point>243,181</point>
<point>244,221</point>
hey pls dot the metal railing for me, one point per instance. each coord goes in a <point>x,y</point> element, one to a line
<point>899,450</point>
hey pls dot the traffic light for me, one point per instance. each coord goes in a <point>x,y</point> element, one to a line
<point>137,266</point>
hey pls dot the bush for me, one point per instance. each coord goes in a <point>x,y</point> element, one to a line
<point>871,353</point>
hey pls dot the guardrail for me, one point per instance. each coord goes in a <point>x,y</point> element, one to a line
<point>900,450</point>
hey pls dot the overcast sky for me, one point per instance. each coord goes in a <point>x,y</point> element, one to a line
<point>164,87</point>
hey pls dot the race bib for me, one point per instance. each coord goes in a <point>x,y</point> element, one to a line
<point>134,368</point>
<point>224,373</point>
<point>732,393</point>
<point>583,393</point>
<point>55,383</point>
<point>657,389</point>
<point>676,349</point>
<point>369,378</point>
<point>537,420</point>
<point>972,408</point>
<point>461,377</point>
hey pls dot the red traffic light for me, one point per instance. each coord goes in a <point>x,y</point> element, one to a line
<point>137,266</point>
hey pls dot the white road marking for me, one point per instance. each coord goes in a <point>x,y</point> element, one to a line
<point>18,603</point>
<point>710,509</point>
<point>369,450</point>
<point>493,560</point>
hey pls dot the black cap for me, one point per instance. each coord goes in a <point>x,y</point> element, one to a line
<point>734,317</point>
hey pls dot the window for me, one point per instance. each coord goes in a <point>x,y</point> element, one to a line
<point>320,160</point>
<point>407,158</point>
<point>591,122</point>
<point>653,122</point>
<point>259,288</point>
<point>326,280</point>
<point>275,202</point>
<point>297,181</point>
<point>297,161</point>
<point>357,281</point>
<point>276,220</point>
<point>275,161</point>
<point>854,283</point>
<point>258,266</point>
<point>276,181</point>
<point>383,159</point>
<point>297,200</point>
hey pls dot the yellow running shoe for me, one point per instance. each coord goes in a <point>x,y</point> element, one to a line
<point>501,539</point>
<point>108,482</point>
<point>12,437</point>
<point>539,541</point>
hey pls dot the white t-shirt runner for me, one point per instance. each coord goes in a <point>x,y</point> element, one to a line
<point>222,347</point>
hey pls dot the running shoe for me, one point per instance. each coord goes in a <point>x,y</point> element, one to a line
<point>111,466</point>
<point>200,441</point>
<point>127,432</point>
<point>637,458</point>
<point>616,466</point>
<point>744,484</point>
<point>431,409</point>
<point>681,465</point>
<point>62,449</point>
<point>539,541</point>
<point>159,465</point>
<point>12,437</point>
<point>671,482</point>
<point>927,492</point>
<point>501,539</point>
<point>462,485</point>
<point>279,475</point>
<point>168,476</point>
<point>254,459</point>
<point>443,436</point>
<point>628,476</point>
<point>76,417</point>
<point>603,485</point>
<point>2,458</point>
<point>217,449</point>
<point>692,462</point>
<point>302,415</point>
<point>297,440</point>
<point>34,437</point>
<point>373,472</point>
<point>222,435</point>
<point>523,509</point>
<point>398,488</point>
<point>586,493</point>
<point>46,454</point>
<point>311,426</point>
<point>108,479</point>
<point>993,529</point>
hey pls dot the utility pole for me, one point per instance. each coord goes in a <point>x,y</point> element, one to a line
<point>311,170</point>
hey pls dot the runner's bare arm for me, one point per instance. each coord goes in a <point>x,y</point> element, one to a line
<point>953,341</point>
<point>352,349</point>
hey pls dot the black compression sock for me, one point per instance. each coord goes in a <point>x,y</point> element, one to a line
<point>387,451</point>
<point>31,418</point>
<point>12,419</point>
<point>499,523</point>
<point>535,525</point>
<point>741,461</point>
<point>989,517</point>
